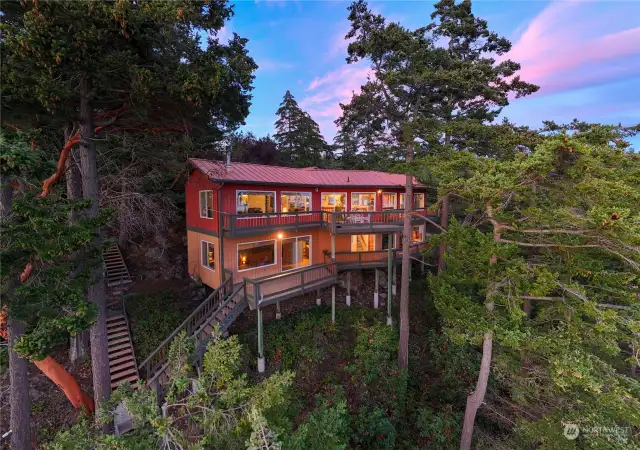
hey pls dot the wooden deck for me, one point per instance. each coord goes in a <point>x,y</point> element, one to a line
<point>268,290</point>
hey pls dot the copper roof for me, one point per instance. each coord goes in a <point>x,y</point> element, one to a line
<point>308,176</point>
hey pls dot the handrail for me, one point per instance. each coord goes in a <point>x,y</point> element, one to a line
<point>157,358</point>
<point>234,223</point>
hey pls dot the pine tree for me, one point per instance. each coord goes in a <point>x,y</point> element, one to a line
<point>298,135</point>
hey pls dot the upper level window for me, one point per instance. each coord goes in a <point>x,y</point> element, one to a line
<point>389,200</point>
<point>418,201</point>
<point>334,202</point>
<point>255,202</point>
<point>206,204</point>
<point>295,202</point>
<point>363,201</point>
<point>208,255</point>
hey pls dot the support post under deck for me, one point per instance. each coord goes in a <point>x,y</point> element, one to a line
<point>389,285</point>
<point>333,303</point>
<point>261,360</point>
<point>394,288</point>
<point>318,299</point>
<point>348,288</point>
<point>278,312</point>
<point>376,298</point>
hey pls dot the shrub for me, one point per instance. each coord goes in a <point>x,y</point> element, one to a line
<point>373,430</point>
<point>327,427</point>
<point>439,429</point>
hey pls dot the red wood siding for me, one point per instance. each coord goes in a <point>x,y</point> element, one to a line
<point>199,182</point>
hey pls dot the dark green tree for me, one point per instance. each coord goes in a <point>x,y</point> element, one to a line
<point>120,66</point>
<point>298,135</point>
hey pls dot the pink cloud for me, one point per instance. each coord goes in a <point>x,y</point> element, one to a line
<point>328,91</point>
<point>566,39</point>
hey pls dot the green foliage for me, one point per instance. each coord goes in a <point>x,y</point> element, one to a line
<point>439,430</point>
<point>153,317</point>
<point>557,227</point>
<point>326,427</point>
<point>372,429</point>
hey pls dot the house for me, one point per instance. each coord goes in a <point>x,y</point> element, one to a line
<point>281,228</point>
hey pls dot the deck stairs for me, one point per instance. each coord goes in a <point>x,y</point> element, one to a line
<point>116,272</point>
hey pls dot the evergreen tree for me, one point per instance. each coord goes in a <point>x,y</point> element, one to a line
<point>298,135</point>
<point>63,57</point>
<point>547,280</point>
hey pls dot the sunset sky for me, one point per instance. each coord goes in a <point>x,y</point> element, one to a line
<point>585,55</point>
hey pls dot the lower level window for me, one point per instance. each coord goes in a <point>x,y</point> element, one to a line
<point>296,252</point>
<point>208,255</point>
<point>363,242</point>
<point>256,254</point>
<point>388,241</point>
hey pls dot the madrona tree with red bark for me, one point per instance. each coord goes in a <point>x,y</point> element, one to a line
<point>545,283</point>
<point>98,68</point>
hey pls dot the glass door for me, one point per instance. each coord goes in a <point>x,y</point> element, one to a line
<point>363,242</point>
<point>296,252</point>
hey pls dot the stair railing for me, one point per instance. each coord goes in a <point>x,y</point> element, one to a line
<point>157,359</point>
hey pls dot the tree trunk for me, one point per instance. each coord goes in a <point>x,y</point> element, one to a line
<point>476,398</point>
<point>403,352</point>
<point>444,223</point>
<point>19,380</point>
<point>79,344</point>
<point>96,294</point>
<point>444,216</point>
<point>18,370</point>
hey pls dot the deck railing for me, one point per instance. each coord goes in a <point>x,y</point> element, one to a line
<point>333,221</point>
<point>157,359</point>
<point>372,258</point>
<point>235,224</point>
<point>266,290</point>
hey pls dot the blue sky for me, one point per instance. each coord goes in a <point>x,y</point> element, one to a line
<point>585,55</point>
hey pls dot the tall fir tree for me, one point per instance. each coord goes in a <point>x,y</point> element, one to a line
<point>298,135</point>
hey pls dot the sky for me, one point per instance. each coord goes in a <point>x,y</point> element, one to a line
<point>584,55</point>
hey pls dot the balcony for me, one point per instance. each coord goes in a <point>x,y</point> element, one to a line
<point>238,225</point>
<point>268,290</point>
<point>372,259</point>
<point>341,222</point>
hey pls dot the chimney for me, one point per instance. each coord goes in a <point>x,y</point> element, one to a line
<point>228,163</point>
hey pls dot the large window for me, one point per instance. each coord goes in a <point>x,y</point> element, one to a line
<point>255,202</point>
<point>418,201</point>
<point>295,202</point>
<point>363,242</point>
<point>417,233</point>
<point>389,200</point>
<point>296,252</point>
<point>208,255</point>
<point>334,201</point>
<point>363,201</point>
<point>206,204</point>
<point>256,254</point>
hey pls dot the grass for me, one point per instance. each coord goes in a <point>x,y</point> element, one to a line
<point>153,316</point>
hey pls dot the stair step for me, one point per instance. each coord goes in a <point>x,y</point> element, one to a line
<point>118,341</point>
<point>116,335</point>
<point>112,318</point>
<point>123,351</point>
<point>122,366</point>
<point>132,379</point>
<point>117,329</point>
<point>114,361</point>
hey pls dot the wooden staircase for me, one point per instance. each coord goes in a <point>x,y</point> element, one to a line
<point>122,360</point>
<point>116,270</point>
